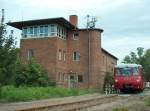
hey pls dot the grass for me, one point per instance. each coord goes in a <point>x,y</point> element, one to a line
<point>147,101</point>
<point>120,109</point>
<point>11,93</point>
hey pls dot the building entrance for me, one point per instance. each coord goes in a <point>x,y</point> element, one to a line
<point>72,80</point>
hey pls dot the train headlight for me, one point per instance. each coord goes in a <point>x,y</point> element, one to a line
<point>138,80</point>
<point>116,80</point>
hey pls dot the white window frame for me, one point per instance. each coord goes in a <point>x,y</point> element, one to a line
<point>58,31</point>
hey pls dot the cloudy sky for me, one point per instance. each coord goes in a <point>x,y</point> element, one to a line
<point>126,23</point>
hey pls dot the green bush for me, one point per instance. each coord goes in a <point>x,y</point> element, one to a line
<point>108,78</point>
<point>31,74</point>
<point>11,93</point>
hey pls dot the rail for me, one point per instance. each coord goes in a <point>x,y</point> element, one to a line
<point>72,105</point>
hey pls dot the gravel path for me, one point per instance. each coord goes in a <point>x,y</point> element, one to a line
<point>133,102</point>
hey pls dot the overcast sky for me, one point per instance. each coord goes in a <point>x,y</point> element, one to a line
<point>126,23</point>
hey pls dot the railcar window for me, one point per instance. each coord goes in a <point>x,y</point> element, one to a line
<point>118,72</point>
<point>126,71</point>
<point>135,71</point>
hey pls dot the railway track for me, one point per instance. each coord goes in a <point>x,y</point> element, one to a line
<point>84,103</point>
<point>74,105</point>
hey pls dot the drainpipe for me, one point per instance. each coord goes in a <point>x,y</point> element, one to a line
<point>89,46</point>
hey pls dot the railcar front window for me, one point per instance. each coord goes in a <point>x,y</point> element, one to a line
<point>118,72</point>
<point>135,71</point>
<point>126,71</point>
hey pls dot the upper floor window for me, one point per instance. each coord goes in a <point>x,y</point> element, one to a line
<point>35,31</point>
<point>24,31</point>
<point>44,30</point>
<point>76,56</point>
<point>31,31</point>
<point>64,55</point>
<point>59,55</point>
<point>30,54</point>
<point>51,30</point>
<point>76,36</point>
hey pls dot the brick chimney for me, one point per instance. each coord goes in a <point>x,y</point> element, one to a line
<point>73,19</point>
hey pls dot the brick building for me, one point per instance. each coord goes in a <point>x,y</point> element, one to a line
<point>72,56</point>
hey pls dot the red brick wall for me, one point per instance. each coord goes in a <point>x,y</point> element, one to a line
<point>45,52</point>
<point>91,67</point>
<point>78,67</point>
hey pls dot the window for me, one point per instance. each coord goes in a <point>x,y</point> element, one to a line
<point>64,55</point>
<point>61,76</point>
<point>59,55</point>
<point>76,36</point>
<point>76,56</point>
<point>61,32</point>
<point>118,72</point>
<point>35,31</point>
<point>51,30</point>
<point>41,30</point>
<point>80,78</point>
<point>126,71</point>
<point>25,32</point>
<point>46,31</point>
<point>31,31</point>
<point>30,54</point>
<point>135,71</point>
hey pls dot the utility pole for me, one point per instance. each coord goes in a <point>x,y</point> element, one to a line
<point>2,19</point>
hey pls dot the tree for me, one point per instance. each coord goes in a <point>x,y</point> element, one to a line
<point>30,74</point>
<point>12,71</point>
<point>140,57</point>
<point>7,54</point>
<point>133,57</point>
<point>146,64</point>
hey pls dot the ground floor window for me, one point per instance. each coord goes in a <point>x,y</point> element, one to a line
<point>61,76</point>
<point>30,54</point>
<point>80,78</point>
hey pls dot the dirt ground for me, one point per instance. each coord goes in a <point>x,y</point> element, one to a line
<point>133,102</point>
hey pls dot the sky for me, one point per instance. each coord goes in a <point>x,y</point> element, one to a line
<point>126,23</point>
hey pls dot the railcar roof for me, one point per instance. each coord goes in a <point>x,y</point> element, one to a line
<point>127,65</point>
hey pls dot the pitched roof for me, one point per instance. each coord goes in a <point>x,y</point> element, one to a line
<point>103,50</point>
<point>62,21</point>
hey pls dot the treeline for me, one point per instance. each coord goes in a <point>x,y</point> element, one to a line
<point>12,71</point>
<point>142,57</point>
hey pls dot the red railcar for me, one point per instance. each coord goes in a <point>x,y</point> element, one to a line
<point>128,76</point>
